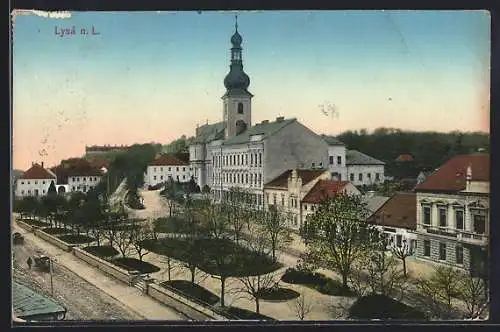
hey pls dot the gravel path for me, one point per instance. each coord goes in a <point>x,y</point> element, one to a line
<point>82,300</point>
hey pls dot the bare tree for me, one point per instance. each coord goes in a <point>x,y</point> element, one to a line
<point>473,295</point>
<point>381,275</point>
<point>139,234</point>
<point>124,241</point>
<point>402,252</point>
<point>301,306</point>
<point>338,235</point>
<point>441,288</point>
<point>274,225</point>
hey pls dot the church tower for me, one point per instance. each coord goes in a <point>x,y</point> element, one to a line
<point>237,101</point>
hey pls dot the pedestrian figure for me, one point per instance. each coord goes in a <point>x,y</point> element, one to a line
<point>29,262</point>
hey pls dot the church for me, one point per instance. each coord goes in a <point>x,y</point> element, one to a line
<point>238,153</point>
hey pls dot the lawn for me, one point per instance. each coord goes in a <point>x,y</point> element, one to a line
<point>317,281</point>
<point>75,238</point>
<point>36,223</point>
<point>214,256</point>
<point>101,251</point>
<point>199,294</point>
<point>277,294</point>
<point>382,307</point>
<point>173,224</point>
<point>131,264</point>
<point>56,230</point>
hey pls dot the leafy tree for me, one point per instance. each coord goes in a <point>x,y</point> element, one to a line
<point>52,189</point>
<point>338,235</point>
<point>124,241</point>
<point>138,234</point>
<point>473,295</point>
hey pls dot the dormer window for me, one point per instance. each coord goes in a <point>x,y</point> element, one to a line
<point>240,108</point>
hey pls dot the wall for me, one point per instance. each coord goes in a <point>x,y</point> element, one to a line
<point>294,146</point>
<point>54,240</point>
<point>338,151</point>
<point>172,299</point>
<point>365,170</point>
<point>75,183</point>
<point>42,185</point>
<point>115,271</point>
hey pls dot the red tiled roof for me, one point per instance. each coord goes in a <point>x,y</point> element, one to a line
<point>168,160</point>
<point>404,157</point>
<point>323,189</point>
<point>306,175</point>
<point>75,167</point>
<point>452,175</point>
<point>99,163</point>
<point>37,172</point>
<point>399,211</point>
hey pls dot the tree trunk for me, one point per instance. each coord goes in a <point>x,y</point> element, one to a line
<point>192,269</point>
<point>222,290</point>
<point>98,238</point>
<point>344,281</point>
<point>257,307</point>
<point>404,266</point>
<point>169,267</point>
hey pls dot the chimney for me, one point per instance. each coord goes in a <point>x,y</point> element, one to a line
<point>197,129</point>
<point>42,164</point>
<point>280,118</point>
<point>468,177</point>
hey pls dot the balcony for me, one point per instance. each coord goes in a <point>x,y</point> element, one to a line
<point>460,235</point>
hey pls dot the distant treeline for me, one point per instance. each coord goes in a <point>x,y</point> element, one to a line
<point>429,149</point>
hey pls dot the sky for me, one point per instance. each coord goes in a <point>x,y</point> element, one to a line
<point>153,76</point>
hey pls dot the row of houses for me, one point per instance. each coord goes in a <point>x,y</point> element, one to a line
<point>445,219</point>
<point>72,175</point>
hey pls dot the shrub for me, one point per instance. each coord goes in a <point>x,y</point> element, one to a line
<point>35,223</point>
<point>382,307</point>
<point>239,313</point>
<point>56,231</point>
<point>131,264</point>
<point>277,294</point>
<point>75,238</point>
<point>199,294</point>
<point>316,281</point>
<point>101,251</point>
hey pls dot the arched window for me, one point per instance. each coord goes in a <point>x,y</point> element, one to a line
<point>240,108</point>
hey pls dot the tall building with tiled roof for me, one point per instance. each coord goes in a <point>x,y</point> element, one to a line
<point>236,153</point>
<point>35,181</point>
<point>453,213</point>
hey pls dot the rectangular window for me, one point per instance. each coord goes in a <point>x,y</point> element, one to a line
<point>154,177</point>
<point>154,169</point>
<point>170,169</point>
<point>360,176</point>
<point>22,192</point>
<point>36,182</point>
<point>442,251</point>
<point>427,215</point>
<point>251,159</point>
<point>377,176</point>
<point>161,177</point>
<point>312,165</point>
<point>331,160</point>
<point>43,191</point>
<point>459,254</point>
<point>43,182</point>
<point>161,169</point>
<point>399,240</point>
<point>339,160</point>
<point>283,199</point>
<point>177,169</point>
<point>183,177</point>
<point>351,176</point>
<point>274,199</point>
<point>184,169</point>
<point>459,219</point>
<point>260,159</point>
<point>267,198</point>
<point>479,224</point>
<point>427,248</point>
<point>260,179</point>
<point>28,182</point>
<point>442,217</point>
<point>369,175</point>
<point>238,160</point>
<point>22,182</point>
<point>246,178</point>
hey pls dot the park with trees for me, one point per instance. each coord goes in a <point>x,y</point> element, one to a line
<point>241,248</point>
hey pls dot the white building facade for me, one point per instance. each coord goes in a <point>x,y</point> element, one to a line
<point>363,169</point>
<point>166,168</point>
<point>35,181</point>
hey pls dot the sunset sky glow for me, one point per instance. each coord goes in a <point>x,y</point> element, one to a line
<point>149,76</point>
